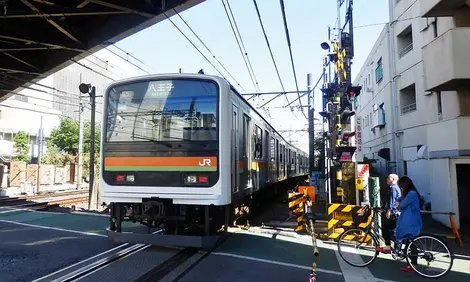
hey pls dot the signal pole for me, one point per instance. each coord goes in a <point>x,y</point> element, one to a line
<point>339,95</point>
<point>80,145</point>
<point>91,90</point>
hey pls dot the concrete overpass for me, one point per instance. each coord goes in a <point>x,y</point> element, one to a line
<point>41,37</point>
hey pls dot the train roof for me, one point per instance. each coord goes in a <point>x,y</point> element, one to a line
<point>196,75</point>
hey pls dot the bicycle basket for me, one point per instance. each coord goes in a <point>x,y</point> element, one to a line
<point>361,217</point>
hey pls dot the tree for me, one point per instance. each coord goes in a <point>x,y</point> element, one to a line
<point>54,157</point>
<point>65,136</point>
<point>21,144</point>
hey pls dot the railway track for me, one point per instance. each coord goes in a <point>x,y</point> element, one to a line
<point>48,201</point>
<point>186,258</point>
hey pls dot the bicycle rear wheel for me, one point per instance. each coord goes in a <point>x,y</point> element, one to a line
<point>425,256</point>
<point>357,248</point>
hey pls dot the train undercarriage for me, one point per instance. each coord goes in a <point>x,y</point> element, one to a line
<point>185,225</point>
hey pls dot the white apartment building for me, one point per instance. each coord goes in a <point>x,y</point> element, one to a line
<point>415,102</point>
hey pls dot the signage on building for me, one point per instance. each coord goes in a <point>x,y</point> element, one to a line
<point>359,154</point>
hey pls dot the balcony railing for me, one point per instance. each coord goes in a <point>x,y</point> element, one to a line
<point>408,108</point>
<point>405,50</point>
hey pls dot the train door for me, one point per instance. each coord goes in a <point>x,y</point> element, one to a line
<point>234,146</point>
<point>245,166</point>
<point>278,157</point>
<point>267,163</point>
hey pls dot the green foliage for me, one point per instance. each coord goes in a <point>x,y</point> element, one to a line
<point>65,137</point>
<point>54,157</point>
<point>21,143</point>
<point>86,164</point>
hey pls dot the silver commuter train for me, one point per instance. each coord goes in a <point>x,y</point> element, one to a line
<point>181,150</point>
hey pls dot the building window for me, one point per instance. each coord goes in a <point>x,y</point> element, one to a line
<point>439,104</point>
<point>379,72</point>
<point>405,42</point>
<point>408,99</point>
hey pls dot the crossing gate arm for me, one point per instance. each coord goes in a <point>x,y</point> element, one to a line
<point>453,226</point>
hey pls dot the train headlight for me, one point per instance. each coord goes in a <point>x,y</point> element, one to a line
<point>195,179</point>
<point>191,179</point>
<point>124,178</point>
<point>130,178</point>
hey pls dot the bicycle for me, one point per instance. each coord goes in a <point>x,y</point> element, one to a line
<point>406,250</point>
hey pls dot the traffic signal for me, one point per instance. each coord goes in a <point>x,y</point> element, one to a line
<point>346,136</point>
<point>353,91</point>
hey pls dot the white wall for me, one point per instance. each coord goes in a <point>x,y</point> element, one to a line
<point>375,93</point>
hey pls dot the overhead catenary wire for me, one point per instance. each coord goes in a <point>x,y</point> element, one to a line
<point>208,50</point>
<point>284,18</point>
<point>270,51</point>
<point>241,45</point>
<point>187,38</point>
<point>243,51</point>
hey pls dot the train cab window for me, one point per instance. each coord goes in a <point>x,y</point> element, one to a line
<point>258,142</point>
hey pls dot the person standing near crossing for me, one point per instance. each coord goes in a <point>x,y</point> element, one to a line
<point>391,216</point>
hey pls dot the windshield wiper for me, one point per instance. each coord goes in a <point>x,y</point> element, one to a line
<point>152,140</point>
<point>182,139</point>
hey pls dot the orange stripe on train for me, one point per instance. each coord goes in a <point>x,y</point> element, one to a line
<point>160,161</point>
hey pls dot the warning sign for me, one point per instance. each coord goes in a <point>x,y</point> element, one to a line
<point>359,184</point>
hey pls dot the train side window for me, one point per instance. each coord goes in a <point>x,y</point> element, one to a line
<point>273,150</point>
<point>258,142</point>
<point>246,128</point>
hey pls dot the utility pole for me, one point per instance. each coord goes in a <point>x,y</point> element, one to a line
<point>80,145</point>
<point>311,126</point>
<point>40,145</point>
<point>91,90</point>
<point>80,140</point>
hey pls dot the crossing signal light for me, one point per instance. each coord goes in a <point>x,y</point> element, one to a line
<point>346,136</point>
<point>354,91</point>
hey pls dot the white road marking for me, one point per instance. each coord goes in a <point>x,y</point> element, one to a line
<point>53,228</point>
<point>356,274</point>
<point>276,262</point>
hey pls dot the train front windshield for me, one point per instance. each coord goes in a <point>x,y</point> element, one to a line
<point>164,110</point>
<point>162,133</point>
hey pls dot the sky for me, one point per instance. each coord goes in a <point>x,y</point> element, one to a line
<point>161,48</point>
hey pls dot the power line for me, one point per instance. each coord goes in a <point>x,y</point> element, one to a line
<point>207,48</point>
<point>272,56</point>
<point>87,67</point>
<point>241,45</point>
<point>284,18</point>
<point>202,54</point>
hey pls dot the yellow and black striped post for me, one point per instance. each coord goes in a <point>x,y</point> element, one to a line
<point>296,206</point>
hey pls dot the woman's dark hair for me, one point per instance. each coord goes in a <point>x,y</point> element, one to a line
<point>407,184</point>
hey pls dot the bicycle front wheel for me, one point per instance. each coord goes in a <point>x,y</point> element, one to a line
<point>357,248</point>
<point>433,258</point>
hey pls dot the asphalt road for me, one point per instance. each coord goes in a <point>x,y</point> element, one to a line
<point>33,244</point>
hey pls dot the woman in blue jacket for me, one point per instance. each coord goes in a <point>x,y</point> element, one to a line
<point>409,222</point>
